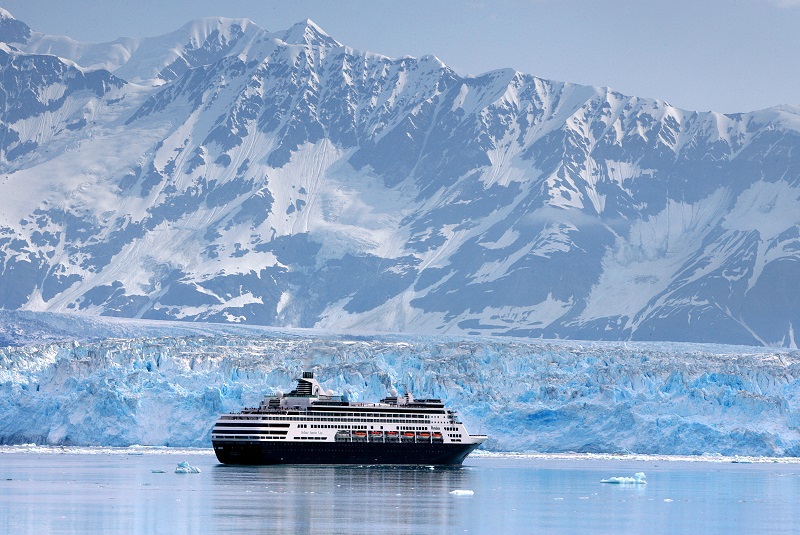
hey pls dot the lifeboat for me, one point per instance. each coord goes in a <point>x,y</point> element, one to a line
<point>376,433</point>
<point>360,434</point>
<point>407,436</point>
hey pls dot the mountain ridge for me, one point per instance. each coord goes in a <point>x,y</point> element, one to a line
<point>313,185</point>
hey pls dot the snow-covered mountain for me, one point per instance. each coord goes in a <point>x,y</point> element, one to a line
<point>224,172</point>
<point>161,383</point>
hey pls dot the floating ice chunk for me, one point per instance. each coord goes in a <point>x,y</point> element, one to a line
<point>158,471</point>
<point>637,479</point>
<point>186,468</point>
<point>462,492</point>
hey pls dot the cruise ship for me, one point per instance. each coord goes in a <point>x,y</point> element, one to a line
<point>306,426</point>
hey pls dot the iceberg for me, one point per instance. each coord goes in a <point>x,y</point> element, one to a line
<point>168,386</point>
<point>462,492</point>
<point>185,468</point>
<point>637,479</point>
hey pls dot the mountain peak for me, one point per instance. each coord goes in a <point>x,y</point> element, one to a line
<point>306,32</point>
<point>13,30</point>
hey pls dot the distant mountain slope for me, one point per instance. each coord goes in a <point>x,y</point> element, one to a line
<point>226,173</point>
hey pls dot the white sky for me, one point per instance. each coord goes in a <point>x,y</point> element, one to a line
<point>722,55</point>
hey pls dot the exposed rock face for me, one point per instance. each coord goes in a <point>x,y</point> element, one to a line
<point>226,173</point>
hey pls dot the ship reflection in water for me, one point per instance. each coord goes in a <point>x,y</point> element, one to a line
<point>358,499</point>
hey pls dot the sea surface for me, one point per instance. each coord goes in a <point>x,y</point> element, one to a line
<point>136,490</point>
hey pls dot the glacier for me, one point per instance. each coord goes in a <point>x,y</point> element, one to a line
<point>90,382</point>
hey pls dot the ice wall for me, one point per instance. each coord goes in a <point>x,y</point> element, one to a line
<point>526,395</point>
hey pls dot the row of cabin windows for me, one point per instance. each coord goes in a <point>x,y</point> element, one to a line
<point>382,413</point>
<point>323,426</point>
<point>337,416</point>
<point>246,437</point>
<point>399,428</point>
<point>301,419</point>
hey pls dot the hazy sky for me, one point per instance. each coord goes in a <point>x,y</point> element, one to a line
<point>722,55</point>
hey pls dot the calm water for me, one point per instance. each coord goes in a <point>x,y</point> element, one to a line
<point>119,493</point>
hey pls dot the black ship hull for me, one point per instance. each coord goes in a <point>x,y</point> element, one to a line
<point>280,452</point>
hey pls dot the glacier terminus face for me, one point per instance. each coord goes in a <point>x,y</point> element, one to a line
<point>95,384</point>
